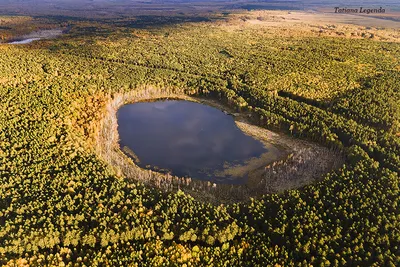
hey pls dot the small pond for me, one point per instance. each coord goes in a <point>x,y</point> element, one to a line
<point>38,35</point>
<point>187,139</point>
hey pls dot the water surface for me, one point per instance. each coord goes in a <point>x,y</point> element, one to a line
<point>38,35</point>
<point>186,138</point>
<point>25,41</point>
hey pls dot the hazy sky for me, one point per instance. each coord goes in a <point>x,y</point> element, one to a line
<point>109,7</point>
<point>86,2</point>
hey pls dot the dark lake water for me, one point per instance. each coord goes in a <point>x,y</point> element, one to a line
<point>186,138</point>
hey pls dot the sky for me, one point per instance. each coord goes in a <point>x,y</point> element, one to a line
<point>64,7</point>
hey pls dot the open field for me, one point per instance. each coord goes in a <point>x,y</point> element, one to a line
<point>65,201</point>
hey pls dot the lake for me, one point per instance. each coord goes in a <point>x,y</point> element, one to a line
<point>187,139</point>
<point>25,41</point>
<point>38,35</point>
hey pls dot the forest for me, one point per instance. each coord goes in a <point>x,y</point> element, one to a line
<point>62,204</point>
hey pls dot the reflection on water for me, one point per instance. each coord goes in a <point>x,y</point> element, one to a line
<point>187,138</point>
<point>34,36</point>
<point>25,41</point>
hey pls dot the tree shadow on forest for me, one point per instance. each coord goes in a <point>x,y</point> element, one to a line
<point>105,27</point>
<point>152,21</point>
<point>141,21</point>
<point>87,30</point>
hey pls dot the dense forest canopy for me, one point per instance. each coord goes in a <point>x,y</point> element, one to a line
<point>62,205</point>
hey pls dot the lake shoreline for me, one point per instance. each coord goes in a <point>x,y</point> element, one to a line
<point>273,177</point>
